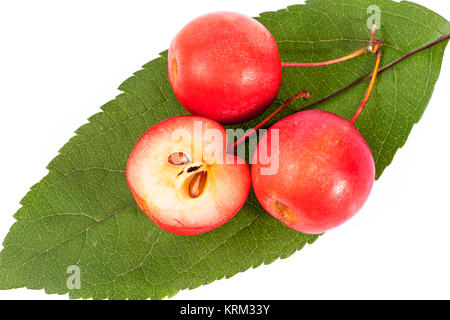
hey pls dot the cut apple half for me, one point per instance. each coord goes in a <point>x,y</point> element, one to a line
<point>182,178</point>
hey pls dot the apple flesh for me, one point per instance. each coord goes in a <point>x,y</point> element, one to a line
<point>182,178</point>
<point>225,66</point>
<point>325,171</point>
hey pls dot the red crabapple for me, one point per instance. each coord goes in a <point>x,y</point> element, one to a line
<point>225,66</point>
<point>325,168</point>
<point>325,171</point>
<point>182,178</point>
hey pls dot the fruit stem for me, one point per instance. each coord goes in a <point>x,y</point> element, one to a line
<point>306,95</point>
<point>371,46</point>
<point>381,70</point>
<point>372,33</point>
<point>369,88</point>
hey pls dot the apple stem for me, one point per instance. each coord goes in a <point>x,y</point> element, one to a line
<point>372,33</point>
<point>381,70</point>
<point>306,95</point>
<point>371,46</point>
<point>369,88</point>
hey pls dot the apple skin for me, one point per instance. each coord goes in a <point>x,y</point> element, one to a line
<point>325,175</point>
<point>150,179</point>
<point>225,66</point>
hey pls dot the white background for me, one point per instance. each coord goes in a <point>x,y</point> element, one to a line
<point>60,61</point>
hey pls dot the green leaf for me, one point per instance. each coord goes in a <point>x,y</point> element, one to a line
<point>83,214</point>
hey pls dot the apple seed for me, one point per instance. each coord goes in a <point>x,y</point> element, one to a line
<point>197,184</point>
<point>178,158</point>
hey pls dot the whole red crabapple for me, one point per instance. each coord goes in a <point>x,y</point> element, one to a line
<point>225,66</point>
